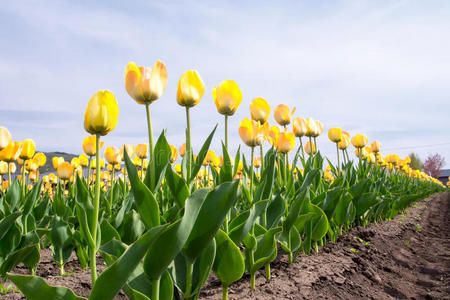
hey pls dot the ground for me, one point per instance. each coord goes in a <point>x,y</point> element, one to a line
<point>405,258</point>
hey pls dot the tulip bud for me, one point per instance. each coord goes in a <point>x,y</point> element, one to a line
<point>227,97</point>
<point>182,150</point>
<point>190,89</point>
<point>286,142</point>
<point>273,134</point>
<point>89,145</point>
<point>11,152</point>
<point>260,110</point>
<point>375,147</point>
<point>5,137</point>
<point>40,158</point>
<point>251,132</point>
<point>177,169</point>
<point>84,161</point>
<point>145,85</point>
<point>65,170</point>
<point>257,162</point>
<point>300,128</point>
<point>3,168</point>
<point>28,149</point>
<point>335,134</point>
<point>56,161</point>
<point>319,128</point>
<point>311,127</point>
<point>113,155</point>
<point>102,113</point>
<point>130,151</point>
<point>344,143</point>
<point>174,154</point>
<point>142,151</point>
<point>308,148</point>
<point>359,140</point>
<point>283,115</point>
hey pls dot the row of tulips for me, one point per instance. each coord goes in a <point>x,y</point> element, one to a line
<point>163,227</point>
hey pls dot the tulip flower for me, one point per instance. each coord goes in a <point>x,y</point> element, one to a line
<point>286,142</point>
<point>335,135</point>
<point>257,162</point>
<point>89,145</point>
<point>174,154</point>
<point>300,129</point>
<point>64,171</point>
<point>251,132</point>
<point>283,114</point>
<point>56,161</point>
<point>113,155</point>
<point>359,141</point>
<point>5,137</point>
<point>28,149</point>
<point>182,150</point>
<point>343,144</point>
<point>100,118</point>
<point>11,152</point>
<point>260,112</point>
<point>190,91</point>
<point>142,151</point>
<point>273,134</point>
<point>130,151</point>
<point>227,97</point>
<point>84,162</point>
<point>41,158</point>
<point>375,147</point>
<point>310,148</point>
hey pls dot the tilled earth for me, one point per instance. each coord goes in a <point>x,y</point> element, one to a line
<point>406,258</point>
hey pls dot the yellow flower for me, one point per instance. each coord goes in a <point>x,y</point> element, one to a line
<point>5,137</point>
<point>335,134</point>
<point>130,151</point>
<point>300,128</point>
<point>273,134</point>
<point>260,110</point>
<point>362,152</point>
<point>227,97</point>
<point>251,132</point>
<point>359,140</point>
<point>283,115</point>
<point>142,151</point>
<point>182,150</point>
<point>311,127</point>
<point>174,154</point>
<point>240,167</point>
<point>89,145</point>
<point>102,113</point>
<point>93,164</point>
<point>56,161</point>
<point>375,147</point>
<point>210,157</point>
<point>190,89</point>
<point>40,158</point>
<point>344,143</point>
<point>319,128</point>
<point>11,152</point>
<point>113,155</point>
<point>3,168</point>
<point>28,149</point>
<point>145,85</point>
<point>286,142</point>
<point>64,171</point>
<point>177,168</point>
<point>308,148</point>
<point>83,160</point>
<point>257,162</point>
<point>31,165</point>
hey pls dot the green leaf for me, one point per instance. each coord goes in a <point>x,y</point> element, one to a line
<point>211,216</point>
<point>266,248</point>
<point>7,222</point>
<point>144,199</point>
<point>13,195</point>
<point>226,170</point>
<point>35,288</point>
<point>201,155</point>
<point>229,263</point>
<point>275,210</point>
<point>115,276</point>
<point>238,232</point>
<point>177,186</point>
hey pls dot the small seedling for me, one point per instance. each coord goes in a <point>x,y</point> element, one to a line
<point>418,227</point>
<point>407,243</point>
<point>354,250</point>
<point>365,243</point>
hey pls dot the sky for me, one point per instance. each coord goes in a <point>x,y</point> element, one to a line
<point>376,67</point>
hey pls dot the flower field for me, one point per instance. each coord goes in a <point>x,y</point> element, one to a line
<point>164,219</point>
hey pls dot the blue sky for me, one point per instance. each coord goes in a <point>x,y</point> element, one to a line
<point>375,67</point>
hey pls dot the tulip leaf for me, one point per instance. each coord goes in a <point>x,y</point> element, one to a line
<point>211,216</point>
<point>275,210</point>
<point>266,248</point>
<point>35,288</point>
<point>264,190</point>
<point>13,195</point>
<point>161,159</point>
<point>145,200</point>
<point>237,159</point>
<point>177,186</point>
<point>238,232</point>
<point>229,263</point>
<point>116,275</point>
<point>226,170</point>
<point>7,222</point>
<point>201,155</point>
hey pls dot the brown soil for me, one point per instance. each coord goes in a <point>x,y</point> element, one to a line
<point>406,258</point>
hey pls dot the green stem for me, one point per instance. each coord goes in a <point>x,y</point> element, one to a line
<point>337,151</point>
<point>189,271</point>
<point>89,171</point>
<point>111,193</point>
<point>224,292</point>
<point>262,158</point>
<point>9,175</point>
<point>286,168</point>
<point>252,280</point>
<point>150,146</point>
<point>226,132</point>
<point>155,289</point>
<point>311,147</point>
<point>23,179</point>
<point>301,147</point>
<point>268,275</point>
<point>188,143</point>
<point>315,143</point>
<point>251,174</point>
<point>93,252</point>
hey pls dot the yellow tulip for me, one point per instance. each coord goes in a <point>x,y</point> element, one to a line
<point>311,127</point>
<point>182,150</point>
<point>283,114</point>
<point>64,171</point>
<point>227,97</point>
<point>257,162</point>
<point>177,169</point>
<point>190,89</point>
<point>286,142</point>
<point>251,132</point>
<point>31,165</point>
<point>273,134</point>
<point>300,127</point>
<point>142,151</point>
<point>130,151</point>
<point>174,154</point>
<point>41,158</point>
<point>344,143</point>
<point>102,113</point>
<point>362,152</point>
<point>84,161</point>
<point>260,110</point>
<point>11,152</point>
<point>75,162</point>
<point>5,137</point>
<point>3,168</point>
<point>375,146</point>
<point>113,155</point>
<point>308,148</point>
<point>210,157</point>
<point>359,140</point>
<point>335,134</point>
<point>28,149</point>
<point>89,145</point>
<point>145,85</point>
<point>12,167</point>
<point>56,161</point>
<point>319,128</point>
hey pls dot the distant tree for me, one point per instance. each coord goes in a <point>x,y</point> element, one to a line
<point>433,164</point>
<point>416,163</point>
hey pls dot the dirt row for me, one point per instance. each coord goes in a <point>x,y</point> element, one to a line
<point>405,258</point>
